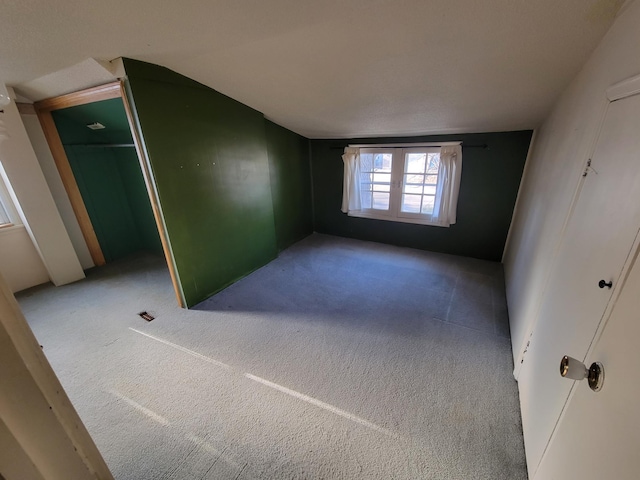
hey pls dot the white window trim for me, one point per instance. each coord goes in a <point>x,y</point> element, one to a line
<point>394,214</point>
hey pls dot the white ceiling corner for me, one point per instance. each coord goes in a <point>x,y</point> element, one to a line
<point>85,74</point>
<point>323,68</point>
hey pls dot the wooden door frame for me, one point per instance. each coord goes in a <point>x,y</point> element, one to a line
<point>108,91</point>
<point>43,110</point>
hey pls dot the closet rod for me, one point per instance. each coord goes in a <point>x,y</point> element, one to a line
<point>101,145</point>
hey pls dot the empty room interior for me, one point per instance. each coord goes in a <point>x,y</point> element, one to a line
<point>319,240</point>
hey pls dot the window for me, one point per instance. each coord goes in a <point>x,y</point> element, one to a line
<point>4,216</point>
<point>411,184</point>
<point>8,214</point>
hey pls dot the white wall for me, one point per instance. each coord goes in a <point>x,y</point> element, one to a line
<point>14,461</point>
<point>562,147</point>
<point>50,171</point>
<point>41,434</point>
<point>20,263</point>
<point>34,202</point>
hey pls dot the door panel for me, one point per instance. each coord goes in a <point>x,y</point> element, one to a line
<point>599,433</point>
<point>596,246</point>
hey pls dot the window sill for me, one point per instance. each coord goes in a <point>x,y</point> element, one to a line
<point>416,221</point>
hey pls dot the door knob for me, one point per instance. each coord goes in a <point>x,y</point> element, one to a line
<point>603,284</point>
<point>576,370</point>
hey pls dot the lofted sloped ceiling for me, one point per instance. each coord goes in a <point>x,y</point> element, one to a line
<point>328,68</point>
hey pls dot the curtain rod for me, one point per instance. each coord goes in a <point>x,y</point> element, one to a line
<point>340,147</point>
<point>406,145</point>
<point>101,145</point>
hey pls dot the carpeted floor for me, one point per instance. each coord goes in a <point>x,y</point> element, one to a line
<point>340,359</point>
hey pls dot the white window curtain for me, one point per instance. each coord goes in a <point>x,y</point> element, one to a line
<point>446,202</point>
<point>351,185</point>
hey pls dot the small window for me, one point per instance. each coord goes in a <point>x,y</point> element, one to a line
<point>8,214</point>
<point>419,182</point>
<point>375,180</point>
<point>404,184</point>
<point>4,216</point>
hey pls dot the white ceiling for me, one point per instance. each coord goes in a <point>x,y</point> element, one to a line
<point>325,68</point>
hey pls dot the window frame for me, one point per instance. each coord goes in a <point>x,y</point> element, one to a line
<point>374,212</point>
<point>396,185</point>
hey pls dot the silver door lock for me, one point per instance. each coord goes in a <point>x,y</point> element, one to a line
<point>576,370</point>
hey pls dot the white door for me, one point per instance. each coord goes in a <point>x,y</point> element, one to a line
<point>596,246</point>
<point>598,436</point>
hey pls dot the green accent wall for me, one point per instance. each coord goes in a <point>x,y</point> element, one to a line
<point>110,179</point>
<point>208,157</point>
<point>235,188</point>
<point>138,198</point>
<point>290,173</point>
<point>488,191</point>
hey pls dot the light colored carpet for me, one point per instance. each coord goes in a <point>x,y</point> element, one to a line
<point>340,359</point>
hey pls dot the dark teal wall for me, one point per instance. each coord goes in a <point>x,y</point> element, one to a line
<point>138,199</point>
<point>208,156</point>
<point>110,179</point>
<point>290,173</point>
<point>488,191</point>
<point>100,183</point>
